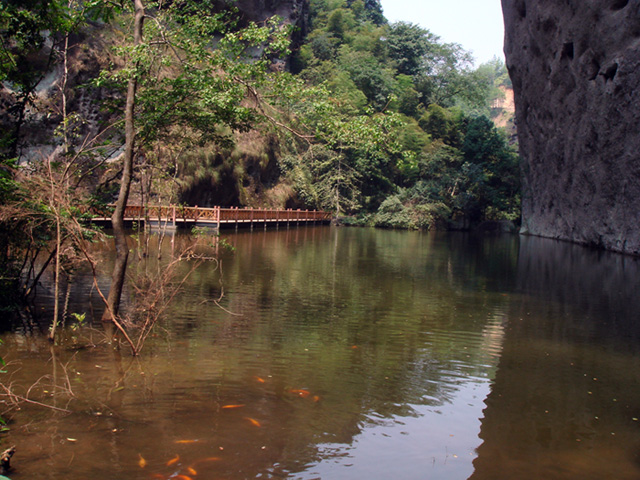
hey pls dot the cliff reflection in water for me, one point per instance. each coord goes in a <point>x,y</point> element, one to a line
<point>565,401</point>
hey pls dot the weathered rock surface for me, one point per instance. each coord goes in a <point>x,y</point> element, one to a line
<point>575,67</point>
<point>291,12</point>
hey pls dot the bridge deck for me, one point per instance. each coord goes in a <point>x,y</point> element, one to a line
<point>216,216</point>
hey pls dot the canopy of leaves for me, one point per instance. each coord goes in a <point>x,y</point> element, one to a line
<point>439,104</point>
<point>373,114</point>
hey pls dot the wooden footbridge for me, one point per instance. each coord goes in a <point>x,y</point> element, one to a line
<point>175,216</point>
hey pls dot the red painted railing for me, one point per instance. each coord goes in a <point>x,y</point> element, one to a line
<point>181,214</point>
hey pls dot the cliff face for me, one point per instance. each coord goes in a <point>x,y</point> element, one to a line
<point>291,11</point>
<point>575,67</point>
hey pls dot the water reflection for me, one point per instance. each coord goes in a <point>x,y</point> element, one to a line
<point>566,397</point>
<point>346,353</point>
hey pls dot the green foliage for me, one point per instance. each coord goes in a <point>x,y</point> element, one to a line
<point>443,124</point>
<point>188,90</point>
<point>430,93</point>
<point>491,168</point>
<point>383,121</point>
<point>369,75</point>
<point>336,180</point>
<point>475,180</point>
<point>407,98</point>
<point>373,12</point>
<point>323,47</point>
<point>408,46</point>
<point>406,211</point>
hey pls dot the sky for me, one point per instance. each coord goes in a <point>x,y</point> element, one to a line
<point>475,24</point>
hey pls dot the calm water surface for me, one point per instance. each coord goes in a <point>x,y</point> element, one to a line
<point>346,354</point>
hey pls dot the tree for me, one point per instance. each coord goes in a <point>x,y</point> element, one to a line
<point>374,12</point>
<point>180,89</point>
<point>445,75</point>
<point>442,124</point>
<point>369,75</point>
<point>492,173</point>
<point>117,218</point>
<point>408,99</point>
<point>336,181</point>
<point>408,45</point>
<point>45,203</point>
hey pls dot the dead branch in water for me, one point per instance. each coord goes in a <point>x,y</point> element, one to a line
<point>5,460</point>
<point>16,399</point>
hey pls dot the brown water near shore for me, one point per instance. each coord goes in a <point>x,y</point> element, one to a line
<point>346,353</point>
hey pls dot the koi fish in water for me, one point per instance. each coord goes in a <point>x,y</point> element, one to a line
<point>142,462</point>
<point>183,477</point>
<point>173,460</point>
<point>232,406</point>
<point>253,422</point>
<point>259,379</point>
<point>192,471</point>
<point>186,441</point>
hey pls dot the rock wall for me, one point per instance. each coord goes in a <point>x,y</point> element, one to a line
<point>291,12</point>
<point>575,67</point>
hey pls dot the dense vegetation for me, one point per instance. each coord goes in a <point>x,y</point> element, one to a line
<point>380,122</point>
<point>440,160</point>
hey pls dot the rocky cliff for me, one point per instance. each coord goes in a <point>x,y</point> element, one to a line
<point>291,12</point>
<point>575,67</point>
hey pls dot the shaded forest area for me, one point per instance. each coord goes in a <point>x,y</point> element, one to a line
<point>186,102</point>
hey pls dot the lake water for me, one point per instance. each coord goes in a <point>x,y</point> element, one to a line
<point>343,353</point>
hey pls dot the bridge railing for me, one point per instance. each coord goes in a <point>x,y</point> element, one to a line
<point>179,213</point>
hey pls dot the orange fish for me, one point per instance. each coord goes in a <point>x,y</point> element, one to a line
<point>233,406</point>
<point>173,460</point>
<point>316,398</point>
<point>183,477</point>
<point>261,380</point>
<point>192,471</point>
<point>253,422</point>
<point>353,347</point>
<point>142,462</point>
<point>300,392</point>
<point>186,441</point>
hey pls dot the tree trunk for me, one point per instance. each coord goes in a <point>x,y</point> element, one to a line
<point>117,219</point>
